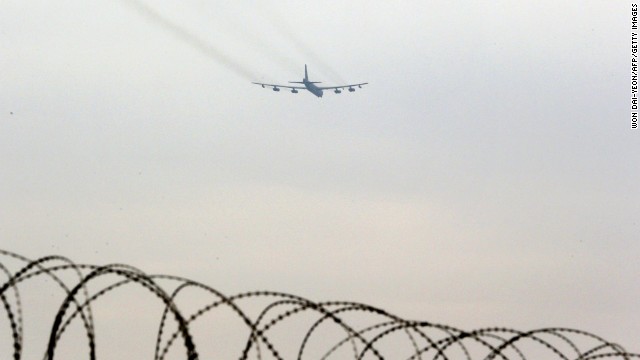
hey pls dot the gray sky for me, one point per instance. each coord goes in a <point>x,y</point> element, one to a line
<point>486,176</point>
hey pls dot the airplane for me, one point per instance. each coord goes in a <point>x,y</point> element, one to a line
<point>311,86</point>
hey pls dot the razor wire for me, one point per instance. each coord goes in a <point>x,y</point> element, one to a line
<point>358,331</point>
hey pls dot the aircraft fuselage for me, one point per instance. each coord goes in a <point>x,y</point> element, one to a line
<point>312,88</point>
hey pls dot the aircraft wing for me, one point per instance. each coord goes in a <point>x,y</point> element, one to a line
<point>276,86</point>
<point>340,87</point>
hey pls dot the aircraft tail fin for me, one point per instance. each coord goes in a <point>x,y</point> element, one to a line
<point>306,78</point>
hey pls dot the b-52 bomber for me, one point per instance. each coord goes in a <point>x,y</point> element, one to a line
<point>311,86</point>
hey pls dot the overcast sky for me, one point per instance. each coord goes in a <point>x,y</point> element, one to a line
<point>487,175</point>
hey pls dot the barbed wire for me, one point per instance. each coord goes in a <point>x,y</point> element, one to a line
<point>383,336</point>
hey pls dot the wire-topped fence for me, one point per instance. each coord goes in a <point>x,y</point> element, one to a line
<point>191,320</point>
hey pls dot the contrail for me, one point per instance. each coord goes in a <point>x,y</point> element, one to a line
<point>184,35</point>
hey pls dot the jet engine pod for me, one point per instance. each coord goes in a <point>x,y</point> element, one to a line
<point>294,91</point>
<point>337,91</point>
<point>276,89</point>
<point>351,89</point>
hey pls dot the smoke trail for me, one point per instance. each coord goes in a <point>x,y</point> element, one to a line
<point>280,24</point>
<point>238,22</point>
<point>190,39</point>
